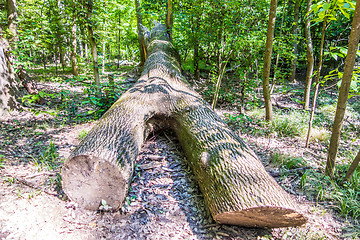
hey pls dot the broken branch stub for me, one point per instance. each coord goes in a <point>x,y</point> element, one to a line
<point>236,187</point>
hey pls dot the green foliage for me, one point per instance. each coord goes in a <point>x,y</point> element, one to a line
<point>344,196</point>
<point>49,158</point>
<point>290,125</point>
<point>82,134</point>
<point>102,98</point>
<point>2,161</point>
<point>104,206</point>
<point>287,162</point>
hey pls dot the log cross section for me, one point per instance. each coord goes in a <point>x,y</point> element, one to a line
<point>236,187</point>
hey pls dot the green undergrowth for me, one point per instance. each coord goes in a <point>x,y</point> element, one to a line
<point>342,197</point>
<point>77,105</point>
<point>50,160</point>
<point>285,124</point>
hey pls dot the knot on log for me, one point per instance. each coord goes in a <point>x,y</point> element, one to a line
<point>236,187</point>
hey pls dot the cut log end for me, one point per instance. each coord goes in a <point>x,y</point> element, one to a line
<point>88,180</point>
<point>262,217</point>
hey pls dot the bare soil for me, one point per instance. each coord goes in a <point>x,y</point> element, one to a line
<point>164,201</point>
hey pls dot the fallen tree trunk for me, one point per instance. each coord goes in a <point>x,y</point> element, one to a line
<point>235,185</point>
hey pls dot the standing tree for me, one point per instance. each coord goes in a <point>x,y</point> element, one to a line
<point>344,91</point>
<point>73,48</point>
<point>295,39</point>
<point>309,56</point>
<point>169,17</point>
<point>278,53</point>
<point>89,24</point>
<point>352,167</point>
<point>267,60</point>
<point>317,81</point>
<point>12,21</point>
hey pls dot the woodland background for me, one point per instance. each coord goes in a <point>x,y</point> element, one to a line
<point>71,60</point>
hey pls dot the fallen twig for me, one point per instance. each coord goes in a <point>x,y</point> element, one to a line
<point>29,184</point>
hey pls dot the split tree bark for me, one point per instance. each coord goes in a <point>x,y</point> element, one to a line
<point>236,186</point>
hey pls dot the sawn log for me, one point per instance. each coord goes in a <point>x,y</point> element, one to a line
<point>236,187</point>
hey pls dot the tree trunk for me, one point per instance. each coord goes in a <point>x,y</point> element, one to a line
<point>104,56</point>
<point>62,57</point>
<point>352,168</point>
<point>119,46</point>
<point>169,17</point>
<point>317,84</point>
<point>93,44</point>
<point>309,57</point>
<point>295,36</point>
<point>344,92</point>
<point>142,47</point>
<point>73,49</point>
<point>236,186</point>
<point>8,87</point>
<point>267,60</point>
<point>278,54</point>
<point>12,22</point>
<point>218,83</point>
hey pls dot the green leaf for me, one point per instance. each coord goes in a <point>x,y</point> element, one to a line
<point>347,15</point>
<point>353,86</point>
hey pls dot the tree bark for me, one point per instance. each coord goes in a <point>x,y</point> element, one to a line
<point>317,82</point>
<point>236,186</point>
<point>169,17</point>
<point>309,57</point>
<point>352,168</point>
<point>8,87</point>
<point>344,92</point>
<point>12,21</point>
<point>295,36</point>
<point>267,60</point>
<point>278,54</point>
<point>119,46</point>
<point>93,44</point>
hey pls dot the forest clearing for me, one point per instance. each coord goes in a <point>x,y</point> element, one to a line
<point>143,130</point>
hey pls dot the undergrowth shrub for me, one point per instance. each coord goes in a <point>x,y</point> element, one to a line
<point>286,161</point>
<point>101,98</point>
<point>345,197</point>
<point>290,124</point>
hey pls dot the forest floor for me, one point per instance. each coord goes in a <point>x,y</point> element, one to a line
<point>164,201</point>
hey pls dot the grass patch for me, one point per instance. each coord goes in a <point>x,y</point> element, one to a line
<point>343,197</point>
<point>49,158</point>
<point>82,134</point>
<point>290,125</point>
<point>2,161</point>
<point>287,162</point>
